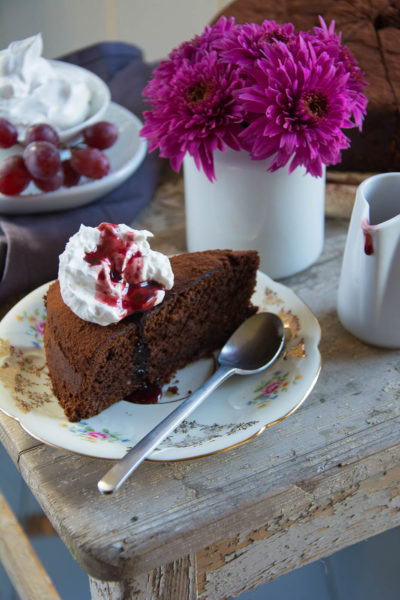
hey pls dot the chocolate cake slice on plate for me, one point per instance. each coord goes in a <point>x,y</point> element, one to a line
<point>93,366</point>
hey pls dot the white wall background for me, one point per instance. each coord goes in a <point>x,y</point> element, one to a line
<point>156,26</point>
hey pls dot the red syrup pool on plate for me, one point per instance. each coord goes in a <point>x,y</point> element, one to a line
<point>146,396</point>
<point>120,269</point>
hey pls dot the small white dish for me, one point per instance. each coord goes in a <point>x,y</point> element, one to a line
<point>238,411</point>
<point>125,157</point>
<point>100,98</point>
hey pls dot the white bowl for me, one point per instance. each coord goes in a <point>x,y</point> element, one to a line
<point>100,99</point>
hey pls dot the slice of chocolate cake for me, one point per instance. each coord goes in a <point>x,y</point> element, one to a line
<point>93,366</point>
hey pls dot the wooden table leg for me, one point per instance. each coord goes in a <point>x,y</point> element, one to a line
<point>169,582</point>
<point>20,560</point>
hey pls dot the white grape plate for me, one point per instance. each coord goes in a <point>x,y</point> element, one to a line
<point>125,157</point>
<point>239,410</point>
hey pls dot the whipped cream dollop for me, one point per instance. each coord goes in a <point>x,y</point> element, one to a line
<point>110,271</point>
<point>33,90</point>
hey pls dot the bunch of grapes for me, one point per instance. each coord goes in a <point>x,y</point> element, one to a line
<point>42,162</point>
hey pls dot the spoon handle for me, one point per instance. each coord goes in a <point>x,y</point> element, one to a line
<point>116,476</point>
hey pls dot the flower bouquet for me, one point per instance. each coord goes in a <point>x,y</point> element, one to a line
<point>255,113</point>
<point>269,90</point>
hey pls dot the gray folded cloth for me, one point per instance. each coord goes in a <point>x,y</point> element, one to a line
<point>30,244</point>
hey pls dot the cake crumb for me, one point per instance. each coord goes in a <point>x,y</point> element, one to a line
<point>173,389</point>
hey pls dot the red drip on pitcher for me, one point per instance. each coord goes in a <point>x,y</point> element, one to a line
<point>368,241</point>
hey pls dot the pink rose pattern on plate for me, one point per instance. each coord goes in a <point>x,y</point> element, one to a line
<point>270,390</point>
<point>86,432</point>
<point>280,381</point>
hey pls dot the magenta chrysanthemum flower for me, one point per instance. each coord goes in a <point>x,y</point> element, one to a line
<point>265,88</point>
<point>191,52</point>
<point>207,41</point>
<point>195,113</point>
<point>211,37</point>
<point>326,40</point>
<point>244,44</point>
<point>297,107</point>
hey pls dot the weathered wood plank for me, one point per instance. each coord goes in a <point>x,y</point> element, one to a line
<point>316,518</point>
<point>20,560</point>
<point>313,483</point>
<point>15,440</point>
<point>175,580</point>
<point>133,535</point>
<point>172,509</point>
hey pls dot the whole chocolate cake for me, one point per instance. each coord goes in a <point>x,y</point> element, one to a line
<point>93,366</point>
<point>371,29</point>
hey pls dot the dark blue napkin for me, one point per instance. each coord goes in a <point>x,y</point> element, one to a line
<point>30,244</point>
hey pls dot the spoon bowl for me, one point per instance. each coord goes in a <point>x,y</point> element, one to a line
<point>254,344</point>
<point>253,347</point>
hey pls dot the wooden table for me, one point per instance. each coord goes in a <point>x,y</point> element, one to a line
<point>321,480</point>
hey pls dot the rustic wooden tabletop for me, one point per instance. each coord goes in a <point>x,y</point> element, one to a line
<point>321,480</point>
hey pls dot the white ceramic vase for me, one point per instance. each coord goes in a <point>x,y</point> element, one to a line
<point>280,215</point>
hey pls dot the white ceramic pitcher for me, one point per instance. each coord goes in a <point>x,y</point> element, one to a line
<point>369,287</point>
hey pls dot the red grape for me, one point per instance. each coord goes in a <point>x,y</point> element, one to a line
<point>14,176</point>
<point>8,134</point>
<point>41,159</point>
<point>41,132</point>
<point>51,183</point>
<point>71,177</point>
<point>101,135</point>
<point>90,162</point>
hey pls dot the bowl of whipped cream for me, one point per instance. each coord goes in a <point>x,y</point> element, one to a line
<point>37,90</point>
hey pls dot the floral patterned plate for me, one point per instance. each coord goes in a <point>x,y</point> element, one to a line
<point>238,411</point>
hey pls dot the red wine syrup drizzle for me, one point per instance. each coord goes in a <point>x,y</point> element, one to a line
<point>120,267</point>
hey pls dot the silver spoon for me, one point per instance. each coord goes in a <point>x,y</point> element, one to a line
<point>255,344</point>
